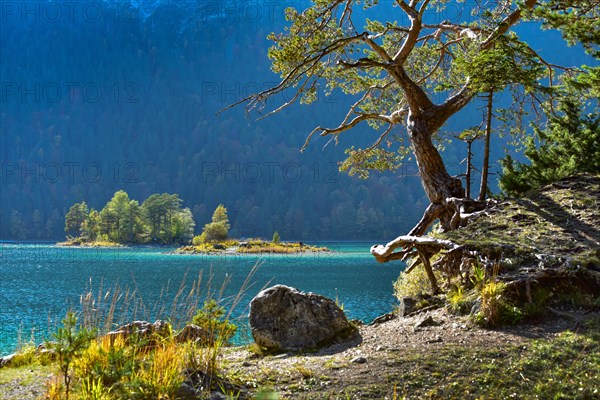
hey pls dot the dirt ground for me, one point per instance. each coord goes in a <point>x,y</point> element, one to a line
<point>397,358</point>
<point>377,364</point>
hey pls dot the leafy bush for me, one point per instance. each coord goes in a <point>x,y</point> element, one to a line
<point>495,309</point>
<point>458,301</point>
<point>216,231</point>
<point>161,377</point>
<point>199,239</point>
<point>414,284</point>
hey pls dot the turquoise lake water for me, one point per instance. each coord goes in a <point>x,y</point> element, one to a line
<point>39,282</point>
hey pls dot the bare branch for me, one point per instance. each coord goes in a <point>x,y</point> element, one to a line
<point>383,135</point>
<point>413,33</point>
<point>290,102</point>
<point>367,93</point>
<point>378,49</point>
<point>423,8</point>
<point>345,126</point>
<point>550,66</point>
<point>295,74</point>
<point>383,253</point>
<point>439,62</point>
<point>346,14</point>
<point>510,20</point>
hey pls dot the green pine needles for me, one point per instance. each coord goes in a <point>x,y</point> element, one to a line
<point>570,144</point>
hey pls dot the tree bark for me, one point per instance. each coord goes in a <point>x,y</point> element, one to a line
<point>486,150</point>
<point>468,177</point>
<point>438,184</point>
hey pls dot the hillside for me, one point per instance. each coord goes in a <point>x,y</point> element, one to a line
<point>550,237</point>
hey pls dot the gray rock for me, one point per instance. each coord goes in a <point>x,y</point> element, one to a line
<point>383,318</point>
<point>437,339</point>
<point>285,319</point>
<point>186,392</point>
<point>407,306</point>
<point>141,330</point>
<point>192,333</point>
<point>425,322</point>
<point>358,360</point>
<point>476,307</point>
<point>6,360</point>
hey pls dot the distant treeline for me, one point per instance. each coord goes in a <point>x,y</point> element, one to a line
<point>159,219</point>
<point>153,130</point>
<point>91,107</point>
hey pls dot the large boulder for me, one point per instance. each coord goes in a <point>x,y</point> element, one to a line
<point>285,319</point>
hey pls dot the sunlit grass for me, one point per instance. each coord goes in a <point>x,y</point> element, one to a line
<point>140,365</point>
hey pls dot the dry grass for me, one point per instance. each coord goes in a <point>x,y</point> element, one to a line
<point>112,367</point>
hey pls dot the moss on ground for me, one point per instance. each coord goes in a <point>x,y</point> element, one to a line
<point>558,224</point>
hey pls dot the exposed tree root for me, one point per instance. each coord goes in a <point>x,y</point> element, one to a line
<point>422,248</point>
<point>453,214</point>
<point>456,212</point>
<point>509,257</point>
<point>582,278</point>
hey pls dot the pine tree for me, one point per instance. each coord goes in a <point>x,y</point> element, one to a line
<point>570,144</point>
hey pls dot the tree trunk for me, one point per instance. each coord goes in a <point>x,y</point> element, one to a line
<point>486,150</point>
<point>469,167</point>
<point>438,184</point>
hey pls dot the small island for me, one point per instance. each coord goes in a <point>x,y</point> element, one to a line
<point>81,242</point>
<point>214,240</point>
<point>160,220</point>
<point>251,246</point>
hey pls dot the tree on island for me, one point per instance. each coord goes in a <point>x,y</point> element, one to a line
<point>395,70</point>
<point>75,219</point>
<point>217,230</point>
<point>122,220</point>
<point>276,237</point>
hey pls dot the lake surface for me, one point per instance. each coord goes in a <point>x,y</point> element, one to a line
<point>40,282</point>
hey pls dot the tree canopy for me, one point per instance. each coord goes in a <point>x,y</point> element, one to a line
<point>415,71</point>
<point>217,230</point>
<point>160,219</point>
